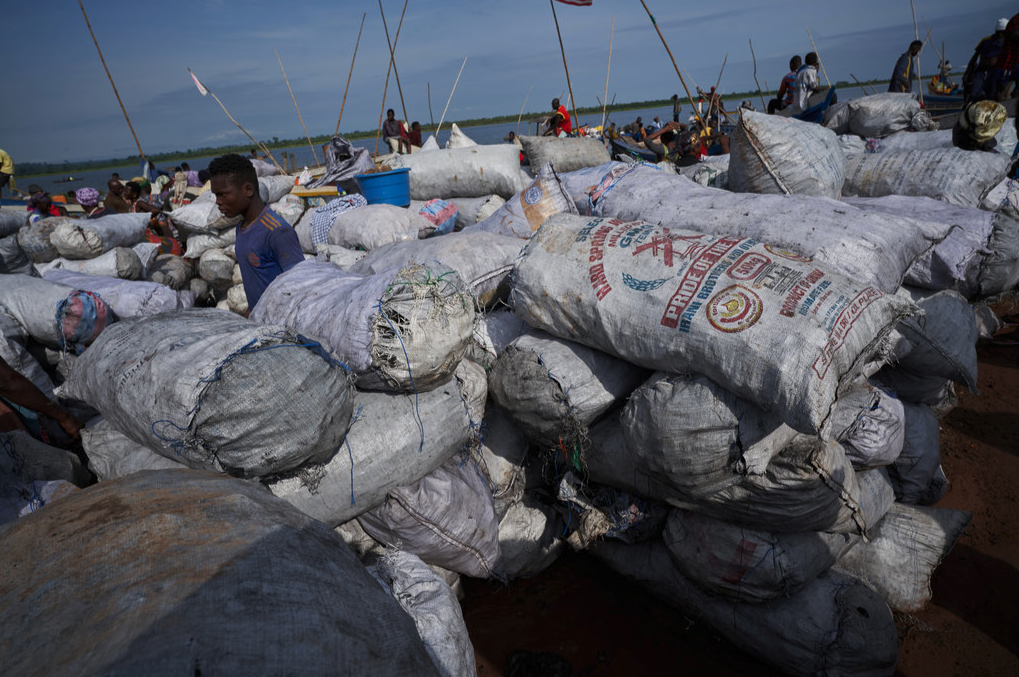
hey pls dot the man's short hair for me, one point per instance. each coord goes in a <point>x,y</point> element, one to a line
<point>133,186</point>
<point>811,59</point>
<point>390,110</point>
<point>555,103</point>
<point>795,62</point>
<point>915,43</point>
<point>238,169</point>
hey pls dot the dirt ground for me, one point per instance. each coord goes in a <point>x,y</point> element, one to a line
<point>595,623</point>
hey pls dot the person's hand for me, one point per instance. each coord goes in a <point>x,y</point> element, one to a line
<point>70,425</point>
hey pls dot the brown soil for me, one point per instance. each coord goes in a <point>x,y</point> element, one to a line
<point>604,625</point>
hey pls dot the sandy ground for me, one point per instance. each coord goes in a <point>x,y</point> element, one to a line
<point>601,624</point>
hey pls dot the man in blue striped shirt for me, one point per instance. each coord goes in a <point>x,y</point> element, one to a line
<point>266,244</point>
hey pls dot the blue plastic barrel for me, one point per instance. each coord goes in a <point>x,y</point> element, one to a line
<point>391,188</point>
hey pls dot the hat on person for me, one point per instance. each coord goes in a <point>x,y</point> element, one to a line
<point>1002,24</point>
<point>39,197</point>
<point>34,188</point>
<point>87,197</point>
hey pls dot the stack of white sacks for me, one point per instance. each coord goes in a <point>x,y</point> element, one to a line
<point>730,396</point>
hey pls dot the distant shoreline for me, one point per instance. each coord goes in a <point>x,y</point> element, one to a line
<point>170,158</point>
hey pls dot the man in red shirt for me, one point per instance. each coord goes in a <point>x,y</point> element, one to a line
<point>559,121</point>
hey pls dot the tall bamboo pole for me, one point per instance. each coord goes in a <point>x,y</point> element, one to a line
<point>754,57</point>
<point>865,92</point>
<point>451,98</point>
<point>674,64</point>
<point>576,122</point>
<point>294,98</point>
<point>345,89</point>
<point>604,108</point>
<point>522,106</point>
<point>431,118</point>
<point>112,84</point>
<point>390,69</point>
<point>814,47</point>
<point>392,52</point>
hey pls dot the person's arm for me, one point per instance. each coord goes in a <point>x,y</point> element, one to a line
<point>21,391</point>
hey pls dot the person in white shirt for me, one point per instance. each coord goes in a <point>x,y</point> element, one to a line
<point>806,83</point>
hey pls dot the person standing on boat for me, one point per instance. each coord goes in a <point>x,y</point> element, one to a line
<point>1005,68</point>
<point>784,98</point>
<point>676,108</point>
<point>6,170</point>
<point>903,75</point>
<point>805,84</point>
<point>559,121</point>
<point>981,66</point>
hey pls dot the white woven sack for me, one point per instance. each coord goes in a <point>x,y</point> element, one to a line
<point>951,175</point>
<point>870,248</point>
<point>13,338</point>
<point>202,216</point>
<point>263,168</point>
<point>503,451</point>
<point>290,207</point>
<point>273,188</point>
<point>112,454</point>
<point>216,268</point>
<point>613,286</point>
<point>402,329</point>
<point>493,332</point>
<point>773,154</point>
<point>373,226</point>
<point>834,625</point>
<point>944,339</point>
<point>120,262</point>
<point>524,213</point>
<point>192,386</point>
<point>56,315</point>
<point>13,259</point>
<point>530,538</point>
<point>199,244</point>
<point>870,425</point>
<point>567,154</point>
<point>483,260</point>
<point>341,257</point>
<point>88,238</point>
<point>446,518</point>
<point>12,221</point>
<point>902,552</point>
<point>471,210</point>
<point>394,440</point>
<point>553,389</point>
<point>263,568</point>
<point>457,139</point>
<point>127,298</point>
<point>916,472</point>
<point>237,299</point>
<point>463,172</point>
<point>880,115</point>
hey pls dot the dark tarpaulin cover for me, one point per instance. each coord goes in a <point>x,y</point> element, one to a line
<point>343,162</point>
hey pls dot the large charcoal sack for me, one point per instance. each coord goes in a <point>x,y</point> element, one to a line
<point>552,389</point>
<point>313,227</point>
<point>202,216</point>
<point>493,333</point>
<point>463,172</point>
<point>374,226</point>
<point>869,423</point>
<point>880,115</point>
<point>943,340</point>
<point>222,579</point>
<point>418,433</point>
<point>35,461</point>
<point>951,175</point>
<point>274,188</point>
<point>12,221</point>
<point>13,259</point>
<point>199,244</point>
<point>916,473</point>
<point>447,518</point>
<point>404,329</point>
<point>980,256</point>
<point>215,391</point>
<point>88,238</point>
<point>530,537</point>
<point>475,209</point>
<point>835,625</point>
<point>871,248</point>
<point>503,452</point>
<point>35,239</point>
<point>431,602</point>
<point>482,260</point>
<point>457,139</point>
<point>173,271</point>
<point>525,212</point>
<point>127,298</point>
<point>566,154</point>
<point>902,552</point>
<point>120,262</point>
<point>809,486</point>
<point>216,268</point>
<point>13,339</point>
<point>289,207</point>
<point>56,315</point>
<point>112,455</point>
<point>751,565</point>
<point>612,285</point>
<point>698,435</point>
<point>773,154</point>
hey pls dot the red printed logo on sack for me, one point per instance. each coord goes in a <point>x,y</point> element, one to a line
<point>749,266</point>
<point>253,259</point>
<point>786,254</point>
<point>734,309</point>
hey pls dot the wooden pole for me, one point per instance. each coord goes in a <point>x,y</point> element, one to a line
<point>390,69</point>
<point>294,98</point>
<point>865,92</point>
<point>526,96</point>
<point>576,121</point>
<point>431,118</point>
<point>392,54</point>
<point>718,96</point>
<point>451,98</point>
<point>916,34</point>
<point>674,65</point>
<point>754,57</point>
<point>257,143</point>
<point>814,47</point>
<point>347,88</point>
<point>115,92</point>
<point>604,108</point>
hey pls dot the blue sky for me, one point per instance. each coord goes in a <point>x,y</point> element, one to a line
<point>59,105</point>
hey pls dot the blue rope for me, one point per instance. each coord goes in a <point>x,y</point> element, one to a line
<point>410,374</point>
<point>350,452</point>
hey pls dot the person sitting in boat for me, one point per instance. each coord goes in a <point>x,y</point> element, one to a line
<point>159,230</point>
<point>115,197</point>
<point>806,83</point>
<point>664,142</point>
<point>653,126</point>
<point>558,123</point>
<point>903,75</point>
<point>88,198</point>
<point>40,206</point>
<point>787,89</point>
<point>180,185</point>
<point>978,122</point>
<point>392,130</point>
<point>192,175</point>
<point>414,135</point>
